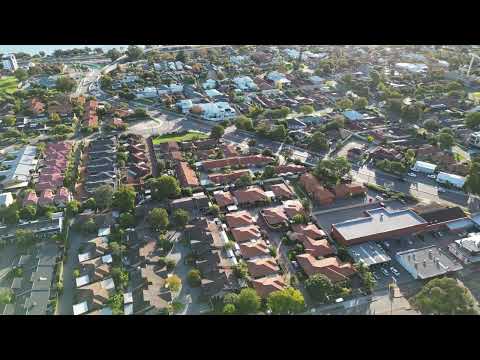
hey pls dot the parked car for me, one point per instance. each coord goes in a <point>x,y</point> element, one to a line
<point>394,271</point>
<point>412,174</point>
<point>379,198</point>
<point>441,190</point>
<point>385,272</point>
<point>432,176</point>
<point>382,204</point>
<point>295,266</point>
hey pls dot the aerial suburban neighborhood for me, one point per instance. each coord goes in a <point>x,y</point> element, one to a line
<point>240,180</point>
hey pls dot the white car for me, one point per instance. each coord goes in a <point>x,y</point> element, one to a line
<point>441,190</point>
<point>412,174</point>
<point>432,176</point>
<point>379,198</point>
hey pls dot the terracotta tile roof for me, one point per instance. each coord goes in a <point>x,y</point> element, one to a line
<point>344,190</point>
<point>293,207</point>
<point>30,199</point>
<point>253,249</point>
<point>35,106</point>
<point>315,189</point>
<point>266,285</point>
<point>239,218</point>
<point>63,195</point>
<point>169,146</point>
<point>246,233</point>
<point>176,155</point>
<point>311,230</point>
<point>46,197</point>
<point>229,150</point>
<point>186,175</point>
<point>250,195</point>
<point>274,215</point>
<point>282,191</point>
<point>262,267</point>
<point>242,161</point>
<point>313,247</point>
<point>224,198</point>
<point>331,267</point>
<point>227,178</point>
<point>290,168</point>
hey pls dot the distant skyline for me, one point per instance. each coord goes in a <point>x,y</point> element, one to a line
<point>49,49</point>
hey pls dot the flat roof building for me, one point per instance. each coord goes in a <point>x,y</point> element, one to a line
<point>467,249</point>
<point>379,224</point>
<point>424,167</point>
<point>427,262</point>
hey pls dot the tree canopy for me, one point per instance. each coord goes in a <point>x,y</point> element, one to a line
<point>181,218</point>
<point>472,120</point>
<point>217,132</point>
<point>444,296</point>
<point>164,187</point>
<point>319,141</point>
<point>332,170</point>
<point>248,301</point>
<point>124,199</point>
<point>286,301</point>
<point>65,84</point>
<point>104,197</point>
<point>158,218</point>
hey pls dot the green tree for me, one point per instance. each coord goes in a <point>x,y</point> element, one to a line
<point>320,288</point>
<point>244,180</point>
<point>73,208</point>
<point>134,53</point>
<point>360,103</point>
<point>90,203</point>
<point>164,187</point>
<point>279,132</point>
<point>431,125</point>
<point>229,309</point>
<point>445,140</point>
<point>104,197</point>
<point>126,220</point>
<point>473,179</point>
<point>106,82</point>
<point>174,283</point>
<point>344,104</point>
<point>158,218</point>
<point>55,118</point>
<point>214,210</point>
<point>194,278</point>
<point>368,281</point>
<point>332,170</point>
<point>374,77</point>
<point>444,296</point>
<point>318,141</point>
<point>28,213</point>
<point>181,218</point>
<point>120,277</point>
<point>115,302</point>
<point>472,120</point>
<point>11,215</point>
<point>65,84</point>
<point>286,301</point>
<point>6,296</point>
<point>20,74</point>
<point>248,301</point>
<point>113,54</point>
<point>217,132</point>
<point>243,122</point>
<point>306,109</point>
<point>299,219</point>
<point>116,248</point>
<point>268,172</point>
<point>124,199</point>
<point>9,120</point>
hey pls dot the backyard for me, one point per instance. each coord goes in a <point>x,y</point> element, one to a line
<point>190,135</point>
<point>8,85</point>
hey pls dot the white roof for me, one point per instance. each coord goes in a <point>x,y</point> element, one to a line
<point>108,284</point>
<point>6,198</point>
<point>127,298</point>
<point>106,311</point>
<point>107,259</point>
<point>425,165</point>
<point>83,257</point>
<point>128,309</point>
<point>104,231</point>
<point>82,280</point>
<point>80,308</point>
<point>213,92</point>
<point>455,180</point>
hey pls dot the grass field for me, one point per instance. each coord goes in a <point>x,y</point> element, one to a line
<point>191,135</point>
<point>8,85</point>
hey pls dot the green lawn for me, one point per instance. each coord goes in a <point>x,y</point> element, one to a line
<point>191,135</point>
<point>8,85</point>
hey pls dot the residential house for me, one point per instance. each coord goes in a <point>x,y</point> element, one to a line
<point>250,196</point>
<point>290,168</point>
<point>246,233</point>
<point>331,267</point>
<point>349,189</point>
<point>255,249</point>
<point>30,199</point>
<point>282,191</point>
<point>266,285</point>
<point>46,198</point>
<point>315,190</point>
<point>239,161</point>
<point>6,199</point>
<point>224,198</point>
<point>35,106</point>
<point>261,267</point>
<point>293,207</point>
<point>186,175</point>
<point>229,178</point>
<point>239,219</point>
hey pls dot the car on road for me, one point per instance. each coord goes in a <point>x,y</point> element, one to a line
<point>441,190</point>
<point>379,198</point>
<point>432,176</point>
<point>267,242</point>
<point>295,266</point>
<point>385,272</point>
<point>394,271</point>
<point>382,204</point>
<point>376,276</point>
<point>412,174</point>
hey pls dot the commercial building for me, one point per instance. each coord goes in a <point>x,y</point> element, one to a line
<point>427,262</point>
<point>424,167</point>
<point>9,62</point>
<point>452,179</point>
<point>20,169</point>
<point>467,249</point>
<point>379,224</point>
